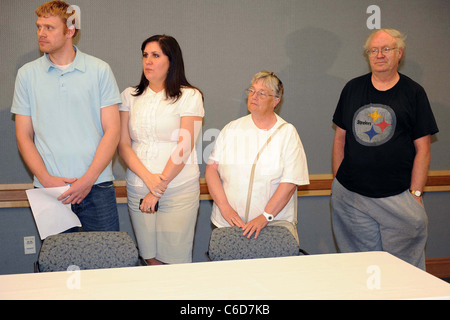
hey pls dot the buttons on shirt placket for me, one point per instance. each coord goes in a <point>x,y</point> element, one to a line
<point>148,106</point>
<point>62,83</point>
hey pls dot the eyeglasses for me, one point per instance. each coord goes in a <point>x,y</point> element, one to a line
<point>260,94</point>
<point>374,51</point>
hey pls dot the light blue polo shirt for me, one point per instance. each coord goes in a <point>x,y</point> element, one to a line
<point>65,111</point>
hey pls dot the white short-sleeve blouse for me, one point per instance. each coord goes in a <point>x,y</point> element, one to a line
<point>154,124</point>
<point>283,160</point>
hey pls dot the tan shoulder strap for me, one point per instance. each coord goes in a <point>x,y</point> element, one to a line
<point>250,185</point>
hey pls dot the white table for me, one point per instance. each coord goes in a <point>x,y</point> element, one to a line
<point>369,275</point>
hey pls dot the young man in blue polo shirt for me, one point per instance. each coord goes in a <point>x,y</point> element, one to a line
<point>67,120</point>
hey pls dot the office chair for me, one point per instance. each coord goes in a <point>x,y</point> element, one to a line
<point>87,250</point>
<point>273,241</point>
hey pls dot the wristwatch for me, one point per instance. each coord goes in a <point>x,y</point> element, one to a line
<point>268,216</point>
<point>417,193</point>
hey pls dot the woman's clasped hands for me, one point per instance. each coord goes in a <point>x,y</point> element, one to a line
<point>254,226</point>
<point>157,185</point>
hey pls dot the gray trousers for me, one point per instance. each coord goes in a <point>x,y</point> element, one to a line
<point>396,224</point>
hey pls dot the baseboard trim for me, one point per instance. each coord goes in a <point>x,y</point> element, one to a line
<point>438,267</point>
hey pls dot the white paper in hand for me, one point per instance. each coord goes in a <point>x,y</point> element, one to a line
<point>50,214</point>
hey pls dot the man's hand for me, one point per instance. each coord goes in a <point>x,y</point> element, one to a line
<point>77,192</point>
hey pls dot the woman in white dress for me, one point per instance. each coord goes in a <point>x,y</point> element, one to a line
<point>160,121</point>
<point>280,167</point>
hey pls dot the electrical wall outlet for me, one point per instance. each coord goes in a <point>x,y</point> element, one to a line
<point>29,244</point>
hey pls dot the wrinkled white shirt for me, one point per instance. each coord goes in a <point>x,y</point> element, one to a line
<point>283,160</point>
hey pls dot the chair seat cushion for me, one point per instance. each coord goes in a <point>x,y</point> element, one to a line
<point>87,250</point>
<point>273,241</point>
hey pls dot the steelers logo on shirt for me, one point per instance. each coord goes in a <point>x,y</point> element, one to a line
<point>374,124</point>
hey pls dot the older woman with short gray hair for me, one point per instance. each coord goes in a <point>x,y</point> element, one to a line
<point>268,196</point>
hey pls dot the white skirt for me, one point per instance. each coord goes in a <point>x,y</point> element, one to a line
<point>168,234</point>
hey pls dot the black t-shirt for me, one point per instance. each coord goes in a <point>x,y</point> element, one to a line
<point>381,127</point>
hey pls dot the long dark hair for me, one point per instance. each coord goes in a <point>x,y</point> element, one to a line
<point>175,76</point>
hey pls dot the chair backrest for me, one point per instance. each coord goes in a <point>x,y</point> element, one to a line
<point>273,241</point>
<point>87,250</point>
